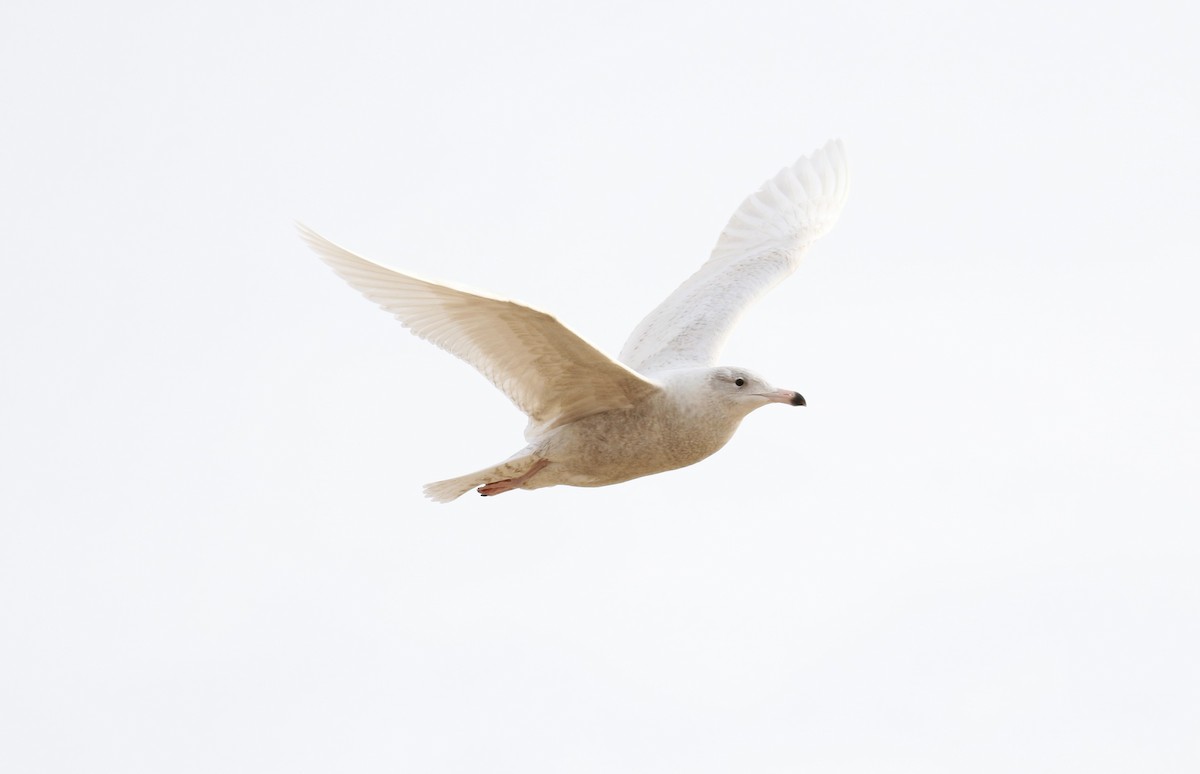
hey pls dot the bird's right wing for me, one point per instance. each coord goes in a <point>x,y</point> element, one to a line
<point>547,370</point>
<point>761,245</point>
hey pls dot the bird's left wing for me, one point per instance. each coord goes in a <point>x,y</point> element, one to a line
<point>547,370</point>
<point>760,246</point>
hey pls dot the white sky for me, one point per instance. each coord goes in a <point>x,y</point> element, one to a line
<point>975,550</point>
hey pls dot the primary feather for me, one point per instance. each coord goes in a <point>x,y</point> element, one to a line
<point>548,371</point>
<point>759,247</point>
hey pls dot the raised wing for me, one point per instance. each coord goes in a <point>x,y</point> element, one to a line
<point>548,371</point>
<point>760,246</point>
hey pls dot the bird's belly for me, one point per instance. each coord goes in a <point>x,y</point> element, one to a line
<point>617,446</point>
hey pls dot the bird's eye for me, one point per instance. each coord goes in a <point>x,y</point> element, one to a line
<point>740,382</point>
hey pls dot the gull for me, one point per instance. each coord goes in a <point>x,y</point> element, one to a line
<point>664,403</point>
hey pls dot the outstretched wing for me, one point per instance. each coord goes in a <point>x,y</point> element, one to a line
<point>760,246</point>
<point>548,371</point>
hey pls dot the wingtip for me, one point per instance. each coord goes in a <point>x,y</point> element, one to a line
<point>833,153</point>
<point>302,229</point>
<point>335,256</point>
<point>833,148</point>
<point>828,172</point>
<point>317,243</point>
<point>310,237</point>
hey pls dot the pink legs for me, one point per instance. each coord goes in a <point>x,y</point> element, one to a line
<point>509,484</point>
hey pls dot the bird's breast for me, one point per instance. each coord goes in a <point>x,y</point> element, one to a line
<point>652,437</point>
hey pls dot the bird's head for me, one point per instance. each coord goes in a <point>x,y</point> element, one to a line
<point>737,390</point>
<point>747,389</point>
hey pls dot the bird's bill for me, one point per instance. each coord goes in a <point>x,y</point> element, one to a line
<point>790,397</point>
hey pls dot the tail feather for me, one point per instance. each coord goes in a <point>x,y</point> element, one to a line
<point>453,488</point>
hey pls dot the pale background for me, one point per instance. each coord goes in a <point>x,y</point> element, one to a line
<point>976,550</point>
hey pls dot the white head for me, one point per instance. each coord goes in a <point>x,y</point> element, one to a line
<point>738,390</point>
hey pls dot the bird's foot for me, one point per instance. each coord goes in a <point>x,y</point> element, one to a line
<point>509,484</point>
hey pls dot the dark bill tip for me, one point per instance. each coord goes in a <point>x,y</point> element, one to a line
<point>798,400</point>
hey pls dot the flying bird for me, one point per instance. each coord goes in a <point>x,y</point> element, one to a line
<point>664,403</point>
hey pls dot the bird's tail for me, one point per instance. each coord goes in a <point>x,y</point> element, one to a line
<point>453,488</point>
